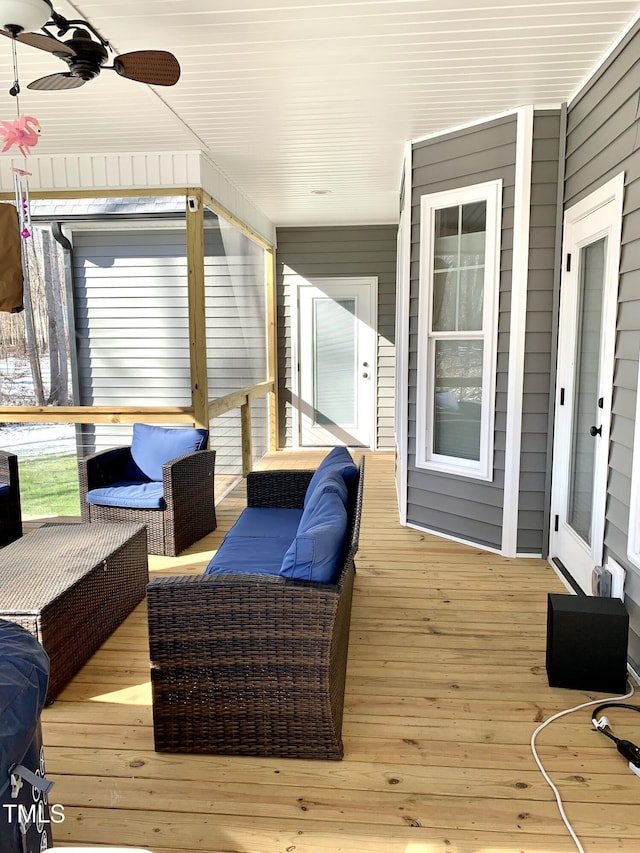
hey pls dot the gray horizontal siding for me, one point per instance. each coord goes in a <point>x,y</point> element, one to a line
<point>470,509</point>
<point>132,330</point>
<point>127,323</point>
<point>236,333</point>
<point>235,309</point>
<point>338,251</point>
<point>131,325</point>
<point>537,394</point>
<point>602,140</point>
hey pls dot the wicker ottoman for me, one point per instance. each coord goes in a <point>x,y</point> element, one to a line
<point>71,585</point>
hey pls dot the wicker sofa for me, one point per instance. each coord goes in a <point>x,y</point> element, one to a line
<point>10,510</point>
<point>251,663</point>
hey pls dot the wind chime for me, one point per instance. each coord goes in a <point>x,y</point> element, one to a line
<point>23,132</point>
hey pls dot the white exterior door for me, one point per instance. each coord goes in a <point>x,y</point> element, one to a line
<point>337,356</point>
<point>584,381</point>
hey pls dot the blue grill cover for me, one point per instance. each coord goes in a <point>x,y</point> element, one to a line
<point>24,674</point>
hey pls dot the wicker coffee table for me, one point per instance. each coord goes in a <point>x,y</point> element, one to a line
<point>71,585</point>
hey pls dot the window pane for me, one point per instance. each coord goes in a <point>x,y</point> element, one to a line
<point>471,299</point>
<point>458,399</point>
<point>585,411</point>
<point>474,226</point>
<point>445,291</point>
<point>334,346</point>
<point>447,222</point>
<point>458,267</point>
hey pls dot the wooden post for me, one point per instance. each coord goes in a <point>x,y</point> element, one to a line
<point>245,422</point>
<point>272,366</point>
<point>197,321</point>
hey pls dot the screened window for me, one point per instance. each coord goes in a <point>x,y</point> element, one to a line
<point>459,277</point>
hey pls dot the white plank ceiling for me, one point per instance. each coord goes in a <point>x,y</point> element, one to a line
<point>306,106</point>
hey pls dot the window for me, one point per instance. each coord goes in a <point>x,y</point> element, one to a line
<point>459,278</point>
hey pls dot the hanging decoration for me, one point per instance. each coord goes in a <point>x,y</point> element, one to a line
<point>23,132</point>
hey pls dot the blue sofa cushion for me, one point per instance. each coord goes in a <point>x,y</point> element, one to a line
<point>4,489</point>
<point>130,494</point>
<point>266,521</point>
<point>339,461</point>
<point>316,551</point>
<point>247,555</point>
<point>153,446</point>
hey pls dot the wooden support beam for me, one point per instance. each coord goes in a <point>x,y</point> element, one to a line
<point>245,423</point>
<point>197,319</point>
<point>96,414</point>
<point>272,366</point>
<point>225,213</point>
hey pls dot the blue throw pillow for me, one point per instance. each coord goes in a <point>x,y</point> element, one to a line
<point>331,481</point>
<point>339,461</point>
<point>315,553</point>
<point>153,446</point>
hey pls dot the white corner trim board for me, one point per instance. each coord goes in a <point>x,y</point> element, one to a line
<point>519,284</point>
<point>403,286</point>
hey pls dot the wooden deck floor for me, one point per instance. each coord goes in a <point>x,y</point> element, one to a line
<point>446,683</point>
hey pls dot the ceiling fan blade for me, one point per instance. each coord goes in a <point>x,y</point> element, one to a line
<point>157,67</point>
<point>43,42</point>
<point>56,82</point>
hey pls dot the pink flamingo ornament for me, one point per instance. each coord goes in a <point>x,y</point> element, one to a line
<point>23,133</point>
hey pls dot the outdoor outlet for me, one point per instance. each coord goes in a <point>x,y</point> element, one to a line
<point>601,582</point>
<point>608,581</point>
<point>192,202</point>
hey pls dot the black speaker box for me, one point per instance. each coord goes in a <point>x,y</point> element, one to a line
<point>587,643</point>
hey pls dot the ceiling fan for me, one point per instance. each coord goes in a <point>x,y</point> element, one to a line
<point>86,52</point>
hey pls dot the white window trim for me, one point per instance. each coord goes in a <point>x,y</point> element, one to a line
<point>633,534</point>
<point>491,193</point>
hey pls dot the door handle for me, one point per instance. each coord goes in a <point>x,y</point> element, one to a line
<point>596,430</point>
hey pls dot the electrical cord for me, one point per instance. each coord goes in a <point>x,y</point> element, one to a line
<point>547,778</point>
<point>626,748</point>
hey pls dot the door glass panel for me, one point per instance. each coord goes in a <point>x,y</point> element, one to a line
<point>585,409</point>
<point>334,361</point>
<point>458,398</point>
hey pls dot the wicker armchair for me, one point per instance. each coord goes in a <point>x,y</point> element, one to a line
<point>188,511</point>
<point>10,511</point>
<point>254,665</point>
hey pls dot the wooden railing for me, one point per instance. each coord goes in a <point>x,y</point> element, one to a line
<point>148,414</point>
<point>242,400</point>
<point>95,414</point>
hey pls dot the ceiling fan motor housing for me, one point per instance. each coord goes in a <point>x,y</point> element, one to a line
<point>89,55</point>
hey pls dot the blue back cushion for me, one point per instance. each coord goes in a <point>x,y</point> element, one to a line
<point>316,551</point>
<point>270,522</point>
<point>339,461</point>
<point>4,489</point>
<point>153,446</point>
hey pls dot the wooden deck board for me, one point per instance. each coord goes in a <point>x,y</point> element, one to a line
<point>446,683</point>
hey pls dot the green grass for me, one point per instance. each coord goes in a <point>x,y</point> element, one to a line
<point>49,485</point>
